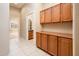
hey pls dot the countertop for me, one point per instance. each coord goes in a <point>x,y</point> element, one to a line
<point>67,35</point>
<point>30,30</point>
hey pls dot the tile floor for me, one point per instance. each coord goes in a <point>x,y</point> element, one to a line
<point>22,47</point>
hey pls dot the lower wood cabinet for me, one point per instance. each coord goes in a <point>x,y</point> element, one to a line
<point>30,35</point>
<point>38,39</point>
<point>52,44</point>
<point>44,41</point>
<point>64,46</point>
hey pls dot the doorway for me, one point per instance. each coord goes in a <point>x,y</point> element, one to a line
<point>30,28</point>
<point>14,28</point>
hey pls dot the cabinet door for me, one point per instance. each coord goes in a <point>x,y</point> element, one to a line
<point>42,17</point>
<point>66,12</point>
<point>38,39</point>
<point>48,15</point>
<point>30,36</point>
<point>56,13</point>
<point>44,41</point>
<point>64,46</point>
<point>52,45</point>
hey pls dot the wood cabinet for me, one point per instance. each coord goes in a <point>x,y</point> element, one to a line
<point>38,39</point>
<point>42,17</point>
<point>66,12</point>
<point>52,44</point>
<point>30,34</point>
<point>64,46</point>
<point>44,41</point>
<point>56,13</point>
<point>55,44</point>
<point>59,13</point>
<point>48,15</point>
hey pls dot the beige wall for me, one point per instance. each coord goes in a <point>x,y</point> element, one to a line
<point>30,11</point>
<point>4,28</point>
<point>27,11</point>
<point>14,12</point>
<point>58,27</point>
<point>23,22</point>
<point>76,29</point>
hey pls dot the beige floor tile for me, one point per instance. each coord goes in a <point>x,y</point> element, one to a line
<point>22,47</point>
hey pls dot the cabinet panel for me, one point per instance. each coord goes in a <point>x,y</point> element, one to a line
<point>66,11</point>
<point>48,15</point>
<point>38,39</point>
<point>56,13</point>
<point>52,45</point>
<point>42,17</point>
<point>64,46</point>
<point>44,41</point>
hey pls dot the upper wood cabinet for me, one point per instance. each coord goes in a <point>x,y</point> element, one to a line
<point>66,12</point>
<point>42,17</point>
<point>56,13</point>
<point>52,44</point>
<point>44,41</point>
<point>64,46</point>
<point>48,15</point>
<point>38,39</point>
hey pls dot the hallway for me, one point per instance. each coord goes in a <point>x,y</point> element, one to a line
<point>22,47</point>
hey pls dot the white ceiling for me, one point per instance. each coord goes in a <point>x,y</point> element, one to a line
<point>17,5</point>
